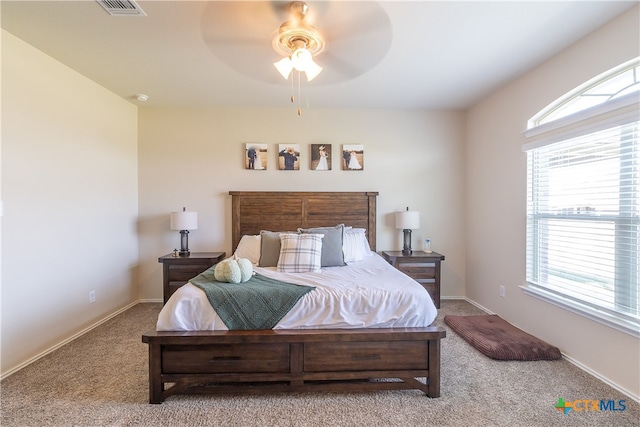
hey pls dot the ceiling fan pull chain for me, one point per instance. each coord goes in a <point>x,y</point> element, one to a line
<point>299,110</point>
<point>292,98</point>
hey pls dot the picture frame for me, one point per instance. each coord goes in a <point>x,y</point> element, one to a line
<point>320,157</point>
<point>352,157</point>
<point>289,156</point>
<point>255,156</point>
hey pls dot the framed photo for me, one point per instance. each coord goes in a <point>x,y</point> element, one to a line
<point>255,156</point>
<point>352,157</point>
<point>289,157</point>
<point>321,157</point>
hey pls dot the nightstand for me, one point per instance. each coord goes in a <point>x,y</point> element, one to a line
<point>423,267</point>
<point>176,271</point>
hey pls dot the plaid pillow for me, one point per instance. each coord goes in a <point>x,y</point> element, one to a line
<point>300,253</point>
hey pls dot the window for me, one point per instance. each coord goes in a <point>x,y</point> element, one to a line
<point>615,83</point>
<point>583,203</point>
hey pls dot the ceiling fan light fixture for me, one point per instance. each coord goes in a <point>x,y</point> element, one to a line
<point>299,42</point>
<point>300,58</point>
<point>312,70</point>
<point>284,67</point>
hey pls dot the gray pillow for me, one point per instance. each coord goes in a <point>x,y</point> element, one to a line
<point>270,248</point>
<point>332,255</point>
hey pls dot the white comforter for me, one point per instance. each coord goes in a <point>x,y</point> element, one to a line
<point>365,294</point>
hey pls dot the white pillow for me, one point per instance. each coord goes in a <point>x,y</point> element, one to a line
<point>355,245</point>
<point>249,248</point>
<point>365,242</point>
<point>300,253</point>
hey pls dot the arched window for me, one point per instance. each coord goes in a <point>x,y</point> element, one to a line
<point>617,82</point>
<point>583,199</point>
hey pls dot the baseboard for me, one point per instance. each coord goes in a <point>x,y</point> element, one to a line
<point>469,301</point>
<point>601,378</point>
<point>574,362</point>
<point>160,300</point>
<point>485,309</point>
<point>67,341</point>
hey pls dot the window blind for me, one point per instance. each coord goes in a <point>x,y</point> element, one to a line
<point>583,218</point>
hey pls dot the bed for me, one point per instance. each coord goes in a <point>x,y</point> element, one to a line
<point>294,356</point>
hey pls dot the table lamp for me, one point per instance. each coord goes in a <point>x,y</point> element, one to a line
<point>407,221</point>
<point>184,221</point>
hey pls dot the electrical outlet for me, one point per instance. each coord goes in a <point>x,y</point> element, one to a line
<point>502,291</point>
<point>92,297</point>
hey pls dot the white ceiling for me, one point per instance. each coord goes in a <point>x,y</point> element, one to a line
<point>427,54</point>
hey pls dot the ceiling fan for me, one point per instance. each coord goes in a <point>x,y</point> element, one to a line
<point>249,36</point>
<point>299,42</point>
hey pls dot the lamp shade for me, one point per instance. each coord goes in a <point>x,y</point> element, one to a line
<point>312,70</point>
<point>300,58</point>
<point>301,62</point>
<point>284,67</point>
<point>184,220</point>
<point>407,220</point>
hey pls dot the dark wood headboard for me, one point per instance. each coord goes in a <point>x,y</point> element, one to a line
<point>252,211</point>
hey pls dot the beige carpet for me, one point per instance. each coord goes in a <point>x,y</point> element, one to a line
<point>100,379</point>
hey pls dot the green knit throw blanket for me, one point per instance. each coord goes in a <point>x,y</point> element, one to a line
<point>258,303</point>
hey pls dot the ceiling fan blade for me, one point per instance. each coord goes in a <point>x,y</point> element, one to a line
<point>358,36</point>
<point>337,69</point>
<point>238,20</point>
<point>239,33</point>
<point>349,19</point>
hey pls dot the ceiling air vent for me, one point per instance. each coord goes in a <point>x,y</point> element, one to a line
<point>121,7</point>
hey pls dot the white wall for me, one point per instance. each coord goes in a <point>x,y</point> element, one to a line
<point>69,187</point>
<point>496,202</point>
<point>193,157</point>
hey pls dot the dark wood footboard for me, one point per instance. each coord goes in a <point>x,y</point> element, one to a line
<point>293,360</point>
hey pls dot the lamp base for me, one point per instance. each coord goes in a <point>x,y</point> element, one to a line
<point>184,243</point>
<point>406,249</point>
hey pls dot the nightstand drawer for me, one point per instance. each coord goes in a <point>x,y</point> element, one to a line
<point>419,273</point>
<point>173,286</point>
<point>183,273</point>
<point>431,288</point>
